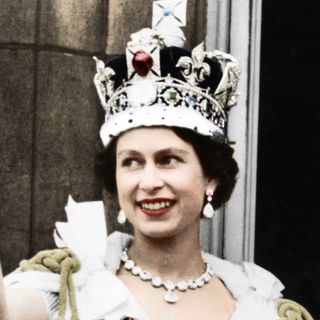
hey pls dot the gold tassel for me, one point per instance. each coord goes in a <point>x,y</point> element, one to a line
<point>59,261</point>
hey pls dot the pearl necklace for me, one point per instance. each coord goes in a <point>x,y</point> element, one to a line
<point>157,282</point>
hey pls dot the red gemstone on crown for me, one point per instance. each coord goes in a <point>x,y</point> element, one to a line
<point>142,62</point>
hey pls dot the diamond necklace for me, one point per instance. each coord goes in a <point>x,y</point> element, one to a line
<point>168,285</point>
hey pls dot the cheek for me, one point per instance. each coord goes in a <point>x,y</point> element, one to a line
<point>193,180</point>
<point>192,187</point>
<point>122,185</point>
<point>126,185</point>
<point>194,196</point>
<point>191,203</point>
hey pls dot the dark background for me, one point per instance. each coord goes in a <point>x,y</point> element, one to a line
<point>288,220</point>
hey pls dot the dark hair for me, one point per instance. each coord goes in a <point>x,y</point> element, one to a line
<point>215,156</point>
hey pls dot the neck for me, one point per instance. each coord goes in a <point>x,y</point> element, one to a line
<point>174,258</point>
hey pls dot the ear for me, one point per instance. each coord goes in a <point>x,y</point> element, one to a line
<point>212,184</point>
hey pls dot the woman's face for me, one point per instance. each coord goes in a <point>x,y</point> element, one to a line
<point>160,182</point>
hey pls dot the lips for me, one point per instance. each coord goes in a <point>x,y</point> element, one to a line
<point>156,206</point>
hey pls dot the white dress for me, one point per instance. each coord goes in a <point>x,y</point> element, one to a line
<point>101,295</point>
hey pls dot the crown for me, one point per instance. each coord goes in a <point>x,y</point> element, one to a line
<point>160,83</point>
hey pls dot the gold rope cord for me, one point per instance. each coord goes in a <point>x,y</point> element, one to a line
<point>59,261</point>
<point>291,310</point>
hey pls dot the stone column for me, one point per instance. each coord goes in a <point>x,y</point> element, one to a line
<point>49,116</point>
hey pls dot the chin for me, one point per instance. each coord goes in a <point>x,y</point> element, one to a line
<point>158,230</point>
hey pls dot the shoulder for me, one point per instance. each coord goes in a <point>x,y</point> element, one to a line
<point>246,278</point>
<point>258,290</point>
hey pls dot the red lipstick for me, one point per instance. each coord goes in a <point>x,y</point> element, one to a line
<point>155,212</point>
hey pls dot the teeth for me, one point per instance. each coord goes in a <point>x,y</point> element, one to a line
<point>156,205</point>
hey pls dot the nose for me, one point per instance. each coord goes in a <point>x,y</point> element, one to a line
<point>151,179</point>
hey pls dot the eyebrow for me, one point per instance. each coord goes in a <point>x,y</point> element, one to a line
<point>159,152</point>
<point>128,152</point>
<point>173,150</point>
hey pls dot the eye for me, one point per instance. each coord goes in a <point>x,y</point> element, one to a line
<point>131,163</point>
<point>170,161</point>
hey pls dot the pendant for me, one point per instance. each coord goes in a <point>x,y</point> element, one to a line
<point>171,297</point>
<point>208,211</point>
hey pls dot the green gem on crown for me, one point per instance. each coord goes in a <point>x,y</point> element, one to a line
<point>117,102</point>
<point>172,96</point>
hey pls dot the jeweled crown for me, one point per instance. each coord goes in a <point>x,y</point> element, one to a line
<point>159,83</point>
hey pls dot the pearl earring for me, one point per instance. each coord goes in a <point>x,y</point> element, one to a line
<point>208,210</point>
<point>121,217</point>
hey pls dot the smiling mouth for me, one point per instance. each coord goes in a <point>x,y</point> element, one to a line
<point>155,207</point>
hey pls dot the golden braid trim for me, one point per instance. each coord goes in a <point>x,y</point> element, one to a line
<point>59,261</point>
<point>291,310</point>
